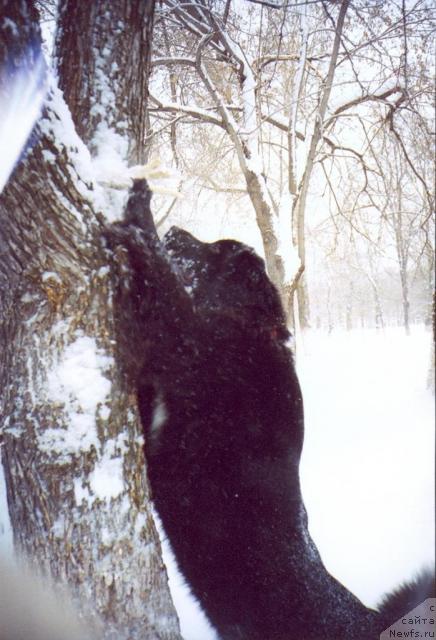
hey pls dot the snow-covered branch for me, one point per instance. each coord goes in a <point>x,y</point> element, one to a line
<point>340,147</point>
<point>427,190</point>
<point>227,118</point>
<point>203,115</point>
<point>197,19</point>
<point>170,61</point>
<point>295,99</point>
<point>370,97</point>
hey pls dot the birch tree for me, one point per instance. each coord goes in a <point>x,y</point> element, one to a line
<point>288,81</point>
<point>71,443</point>
<point>199,19</point>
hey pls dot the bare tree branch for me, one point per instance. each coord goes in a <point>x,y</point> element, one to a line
<point>381,97</point>
<point>194,112</point>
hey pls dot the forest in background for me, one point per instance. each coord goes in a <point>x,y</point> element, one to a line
<point>307,130</point>
<point>327,110</point>
<point>304,129</point>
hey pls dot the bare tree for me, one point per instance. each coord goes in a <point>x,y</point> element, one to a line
<point>71,441</point>
<point>287,83</point>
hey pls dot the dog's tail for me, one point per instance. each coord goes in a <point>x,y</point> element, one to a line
<point>408,596</point>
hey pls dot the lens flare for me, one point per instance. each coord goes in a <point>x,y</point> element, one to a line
<point>21,100</point>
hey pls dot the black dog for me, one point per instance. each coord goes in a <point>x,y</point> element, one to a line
<point>205,338</point>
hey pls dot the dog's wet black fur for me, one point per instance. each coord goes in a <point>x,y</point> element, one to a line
<point>205,340</point>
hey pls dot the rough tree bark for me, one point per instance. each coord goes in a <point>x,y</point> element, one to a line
<point>71,442</point>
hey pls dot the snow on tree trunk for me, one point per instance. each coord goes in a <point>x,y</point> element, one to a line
<point>72,446</point>
<point>301,200</point>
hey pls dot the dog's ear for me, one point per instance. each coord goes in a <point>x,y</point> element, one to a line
<point>222,413</point>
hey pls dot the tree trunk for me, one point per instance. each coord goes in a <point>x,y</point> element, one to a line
<point>349,308</point>
<point>264,216</point>
<point>402,246</point>
<point>72,445</point>
<point>431,373</point>
<point>299,213</point>
<point>405,298</point>
<point>378,311</point>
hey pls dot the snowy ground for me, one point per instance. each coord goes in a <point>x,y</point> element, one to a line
<point>368,463</point>
<point>367,468</point>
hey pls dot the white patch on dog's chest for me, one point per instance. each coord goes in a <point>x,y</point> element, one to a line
<point>159,416</point>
